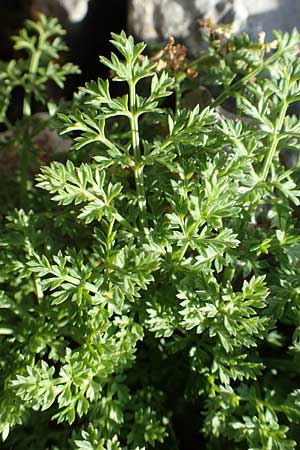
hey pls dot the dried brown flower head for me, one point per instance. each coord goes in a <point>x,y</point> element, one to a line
<point>174,57</point>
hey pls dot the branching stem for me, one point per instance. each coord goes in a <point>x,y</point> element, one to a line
<point>26,144</point>
<point>238,84</point>
<point>138,164</point>
<point>276,136</point>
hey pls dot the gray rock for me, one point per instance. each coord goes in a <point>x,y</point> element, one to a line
<point>70,11</point>
<point>155,20</point>
<point>268,15</point>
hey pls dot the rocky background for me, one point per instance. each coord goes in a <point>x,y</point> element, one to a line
<point>157,19</point>
<point>89,22</point>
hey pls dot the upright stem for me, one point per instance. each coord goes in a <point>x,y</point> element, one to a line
<point>35,59</point>
<point>272,150</point>
<point>27,105</point>
<point>26,142</point>
<point>179,255</point>
<point>109,241</point>
<point>178,95</point>
<point>109,236</point>
<point>24,168</point>
<point>138,164</point>
<point>33,67</point>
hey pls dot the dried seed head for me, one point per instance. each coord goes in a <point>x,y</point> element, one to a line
<point>215,31</point>
<point>174,57</point>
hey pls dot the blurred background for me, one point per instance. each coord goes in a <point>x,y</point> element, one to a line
<point>89,23</point>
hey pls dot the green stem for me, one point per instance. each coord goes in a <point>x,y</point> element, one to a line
<point>24,165</point>
<point>26,144</point>
<point>178,95</point>
<point>33,67</point>
<point>270,152</point>
<point>27,105</point>
<point>235,86</point>
<point>38,288</point>
<point>109,241</point>
<point>109,233</point>
<point>138,168</point>
<point>276,137</point>
<point>35,60</point>
<point>179,254</point>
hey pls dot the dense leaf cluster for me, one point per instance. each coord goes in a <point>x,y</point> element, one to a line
<point>159,289</point>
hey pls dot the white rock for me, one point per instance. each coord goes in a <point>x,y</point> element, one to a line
<point>76,9</point>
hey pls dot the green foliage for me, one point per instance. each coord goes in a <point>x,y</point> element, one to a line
<point>25,83</point>
<point>161,285</point>
<point>41,43</point>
